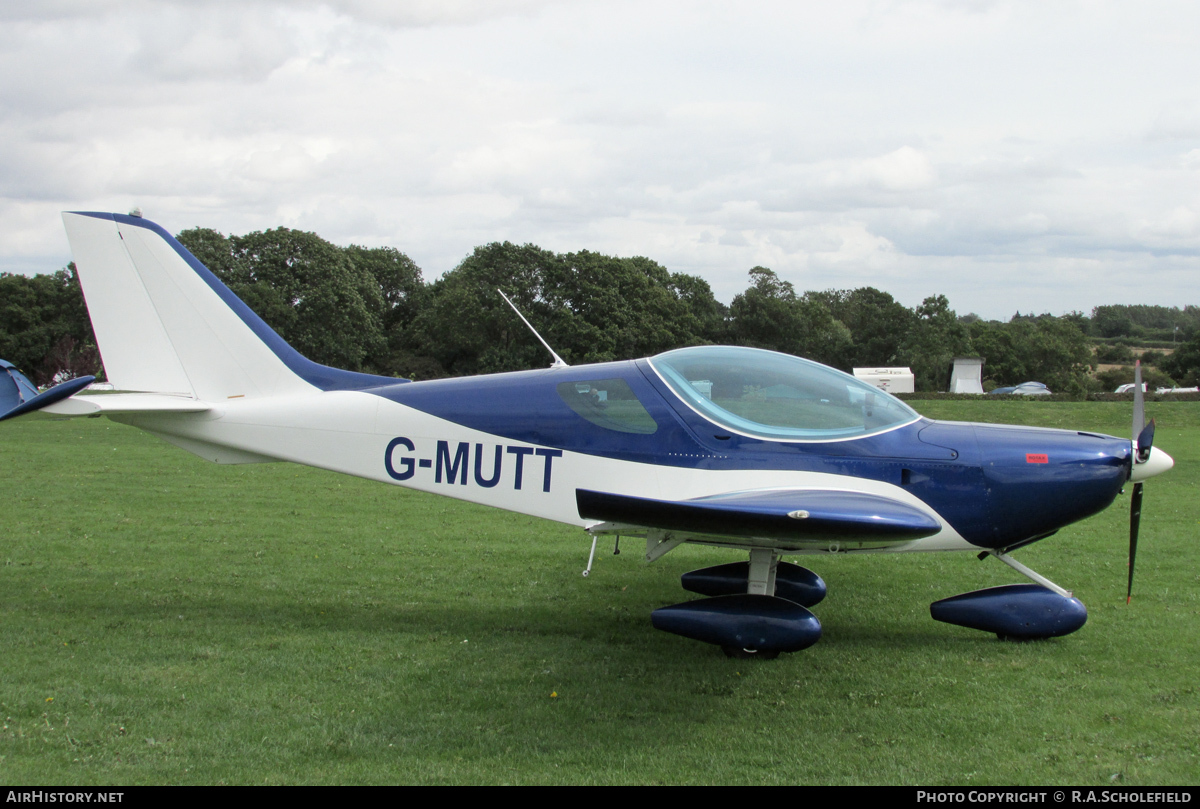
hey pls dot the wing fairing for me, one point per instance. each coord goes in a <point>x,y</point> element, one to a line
<point>818,515</point>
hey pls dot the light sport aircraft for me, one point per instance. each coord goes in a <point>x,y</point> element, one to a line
<point>716,445</point>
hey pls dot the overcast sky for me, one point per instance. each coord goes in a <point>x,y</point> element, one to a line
<point>1033,156</point>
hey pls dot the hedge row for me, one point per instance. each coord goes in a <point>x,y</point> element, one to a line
<point>1054,397</point>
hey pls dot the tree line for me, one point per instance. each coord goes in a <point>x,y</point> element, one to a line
<point>369,309</point>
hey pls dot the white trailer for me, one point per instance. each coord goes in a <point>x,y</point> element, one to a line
<point>892,380</point>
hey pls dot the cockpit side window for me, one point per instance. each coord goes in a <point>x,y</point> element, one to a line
<point>608,403</point>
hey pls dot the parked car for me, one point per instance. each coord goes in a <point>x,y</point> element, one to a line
<point>1024,389</point>
<point>1128,388</point>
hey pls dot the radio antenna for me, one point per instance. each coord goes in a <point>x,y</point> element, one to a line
<point>558,361</point>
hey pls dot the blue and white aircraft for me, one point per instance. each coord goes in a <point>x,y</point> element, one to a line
<point>715,445</point>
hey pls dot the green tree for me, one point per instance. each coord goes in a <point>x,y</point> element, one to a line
<point>632,307</point>
<point>1114,354</point>
<point>44,326</point>
<point>1146,321</point>
<point>878,325</point>
<point>932,344</point>
<point>468,329</point>
<point>403,293</point>
<point>211,249</point>
<point>1152,357</point>
<point>1113,378</point>
<point>1046,349</point>
<point>770,315</point>
<point>308,290</point>
<point>709,316</point>
<point>1081,321</point>
<point>590,307</point>
<point>1184,363</point>
<point>1112,321</point>
<point>766,315</point>
<point>611,308</point>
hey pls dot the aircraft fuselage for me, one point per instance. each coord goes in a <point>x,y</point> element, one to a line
<point>512,441</point>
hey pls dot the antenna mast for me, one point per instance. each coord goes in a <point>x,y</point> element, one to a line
<point>558,361</point>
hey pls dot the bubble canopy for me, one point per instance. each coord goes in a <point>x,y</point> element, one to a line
<point>775,396</point>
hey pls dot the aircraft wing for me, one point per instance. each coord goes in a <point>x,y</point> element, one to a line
<point>18,405</point>
<point>791,514</point>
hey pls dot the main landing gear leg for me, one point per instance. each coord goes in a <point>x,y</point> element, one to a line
<point>764,564</point>
<point>760,581</point>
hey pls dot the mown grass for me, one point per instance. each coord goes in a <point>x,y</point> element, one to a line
<point>166,620</point>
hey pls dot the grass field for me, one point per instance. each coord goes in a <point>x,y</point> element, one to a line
<point>167,620</point>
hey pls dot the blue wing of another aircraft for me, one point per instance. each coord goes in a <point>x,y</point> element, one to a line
<point>19,396</point>
<point>796,514</point>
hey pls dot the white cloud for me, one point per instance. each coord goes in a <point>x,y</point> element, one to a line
<point>1008,154</point>
<point>400,13</point>
<point>905,169</point>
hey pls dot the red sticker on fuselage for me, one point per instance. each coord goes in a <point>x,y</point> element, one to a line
<point>1036,457</point>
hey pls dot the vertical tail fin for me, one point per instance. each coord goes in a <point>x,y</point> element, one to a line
<point>164,323</point>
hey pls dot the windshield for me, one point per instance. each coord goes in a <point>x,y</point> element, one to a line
<point>777,396</point>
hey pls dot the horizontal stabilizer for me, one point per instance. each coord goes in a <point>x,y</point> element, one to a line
<point>104,404</point>
<point>797,514</point>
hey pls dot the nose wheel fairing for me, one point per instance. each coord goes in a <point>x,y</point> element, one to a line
<point>1016,611</point>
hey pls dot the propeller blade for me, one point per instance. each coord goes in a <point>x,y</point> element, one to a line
<point>1135,518</point>
<point>1139,401</point>
<point>1145,441</point>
